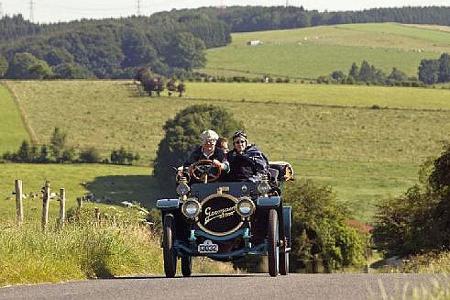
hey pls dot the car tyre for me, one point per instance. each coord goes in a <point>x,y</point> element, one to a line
<point>169,252</point>
<point>284,262</point>
<point>272,243</point>
<point>186,266</point>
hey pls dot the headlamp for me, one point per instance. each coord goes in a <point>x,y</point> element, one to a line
<point>191,208</point>
<point>263,187</point>
<point>245,207</point>
<point>183,188</point>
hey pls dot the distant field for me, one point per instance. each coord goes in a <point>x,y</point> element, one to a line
<point>334,137</point>
<point>311,52</point>
<point>314,94</point>
<point>12,130</point>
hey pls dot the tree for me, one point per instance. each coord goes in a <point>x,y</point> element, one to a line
<point>418,221</point>
<point>429,71</point>
<point>90,155</point>
<point>58,143</point>
<point>182,134</point>
<point>171,86</point>
<point>339,76</point>
<point>24,153</point>
<point>27,66</point>
<point>354,72</point>
<point>444,68</point>
<point>397,75</point>
<point>3,66</point>
<point>71,71</point>
<point>365,72</point>
<point>181,88</point>
<point>185,51</point>
<point>57,56</point>
<point>44,154</point>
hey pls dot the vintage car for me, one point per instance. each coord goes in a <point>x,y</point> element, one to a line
<point>226,220</point>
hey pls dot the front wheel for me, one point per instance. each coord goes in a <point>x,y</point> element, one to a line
<point>272,243</point>
<point>186,266</point>
<point>169,252</point>
<point>284,263</point>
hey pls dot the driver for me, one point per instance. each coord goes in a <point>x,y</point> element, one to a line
<point>208,150</point>
<point>246,160</point>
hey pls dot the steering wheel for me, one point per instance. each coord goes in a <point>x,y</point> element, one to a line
<point>205,170</point>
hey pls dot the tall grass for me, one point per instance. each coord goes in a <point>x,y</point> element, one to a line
<point>79,251</point>
<point>84,249</point>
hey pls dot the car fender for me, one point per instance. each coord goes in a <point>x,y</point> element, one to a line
<point>271,201</point>
<point>168,204</point>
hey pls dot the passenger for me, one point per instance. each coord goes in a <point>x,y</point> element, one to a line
<point>208,150</point>
<point>246,161</point>
<point>222,143</point>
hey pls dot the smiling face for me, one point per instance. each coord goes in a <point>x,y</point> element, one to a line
<point>239,144</point>
<point>209,145</point>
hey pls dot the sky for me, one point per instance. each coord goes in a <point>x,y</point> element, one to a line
<point>47,11</point>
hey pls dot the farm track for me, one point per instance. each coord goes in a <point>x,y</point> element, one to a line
<point>245,286</point>
<point>23,114</point>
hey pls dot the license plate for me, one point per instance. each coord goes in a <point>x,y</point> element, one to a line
<point>208,247</point>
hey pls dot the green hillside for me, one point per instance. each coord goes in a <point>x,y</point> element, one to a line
<point>330,133</point>
<point>12,130</point>
<point>311,52</point>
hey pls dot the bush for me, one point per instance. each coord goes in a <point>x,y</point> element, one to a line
<point>90,155</point>
<point>418,221</point>
<point>182,134</point>
<point>320,227</point>
<point>122,157</point>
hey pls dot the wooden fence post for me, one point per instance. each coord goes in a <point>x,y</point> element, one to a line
<point>19,201</point>
<point>315,264</point>
<point>45,205</point>
<point>62,207</point>
<point>80,202</point>
<point>97,216</point>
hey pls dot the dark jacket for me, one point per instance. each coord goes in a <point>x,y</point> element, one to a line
<point>248,164</point>
<point>197,155</point>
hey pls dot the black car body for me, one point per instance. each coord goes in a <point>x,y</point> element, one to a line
<point>228,220</point>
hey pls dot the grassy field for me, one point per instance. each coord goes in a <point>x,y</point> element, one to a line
<point>115,183</point>
<point>329,133</point>
<point>311,52</point>
<point>326,95</point>
<point>12,130</point>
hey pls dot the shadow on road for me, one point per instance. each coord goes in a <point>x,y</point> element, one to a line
<point>193,276</point>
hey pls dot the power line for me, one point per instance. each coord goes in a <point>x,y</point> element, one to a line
<point>31,11</point>
<point>139,4</point>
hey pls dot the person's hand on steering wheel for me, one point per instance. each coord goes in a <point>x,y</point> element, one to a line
<point>206,170</point>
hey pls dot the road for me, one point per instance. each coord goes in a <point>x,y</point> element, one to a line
<point>246,286</point>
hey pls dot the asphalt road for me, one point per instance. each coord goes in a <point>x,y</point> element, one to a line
<point>247,286</point>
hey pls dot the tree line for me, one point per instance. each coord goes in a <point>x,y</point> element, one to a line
<point>171,44</point>
<point>257,18</point>
<point>369,74</point>
<point>58,151</point>
<point>435,70</point>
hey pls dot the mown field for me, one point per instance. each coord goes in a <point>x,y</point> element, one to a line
<point>311,52</point>
<point>11,126</point>
<point>329,133</point>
